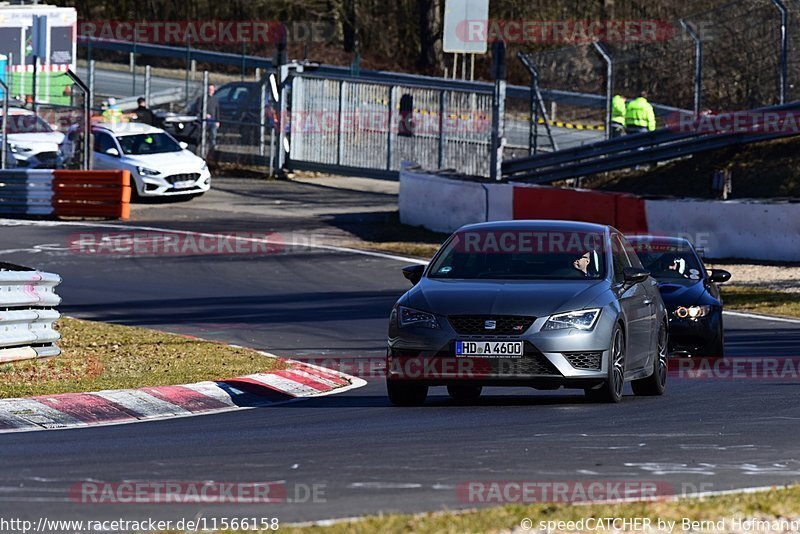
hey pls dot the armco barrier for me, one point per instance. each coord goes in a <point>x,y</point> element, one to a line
<point>62,193</point>
<point>745,229</point>
<point>27,314</point>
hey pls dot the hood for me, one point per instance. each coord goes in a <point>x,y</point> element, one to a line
<point>183,161</point>
<point>681,292</point>
<point>502,297</point>
<point>38,142</point>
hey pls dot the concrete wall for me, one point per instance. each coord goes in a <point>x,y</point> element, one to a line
<point>725,229</point>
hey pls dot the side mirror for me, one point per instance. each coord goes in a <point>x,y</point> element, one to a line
<point>633,276</point>
<point>413,273</point>
<point>184,145</point>
<point>719,276</point>
<point>112,152</point>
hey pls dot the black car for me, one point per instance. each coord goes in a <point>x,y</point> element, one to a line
<point>689,291</point>
<point>239,108</point>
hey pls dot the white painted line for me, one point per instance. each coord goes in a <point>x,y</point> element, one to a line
<point>763,317</point>
<point>119,227</point>
<point>37,413</point>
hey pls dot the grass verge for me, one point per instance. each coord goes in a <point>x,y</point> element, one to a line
<point>761,300</point>
<point>97,356</point>
<point>767,505</point>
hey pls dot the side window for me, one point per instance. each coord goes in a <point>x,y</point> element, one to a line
<point>619,258</point>
<point>631,253</point>
<point>223,93</point>
<point>103,141</point>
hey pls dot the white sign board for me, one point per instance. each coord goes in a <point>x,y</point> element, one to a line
<point>466,26</point>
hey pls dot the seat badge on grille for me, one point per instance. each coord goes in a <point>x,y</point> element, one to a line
<point>490,325</point>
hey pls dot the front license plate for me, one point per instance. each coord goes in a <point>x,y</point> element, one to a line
<point>489,349</point>
<point>184,184</point>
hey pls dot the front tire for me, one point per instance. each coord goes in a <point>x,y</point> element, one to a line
<point>611,389</point>
<point>404,393</point>
<point>464,393</point>
<point>656,383</point>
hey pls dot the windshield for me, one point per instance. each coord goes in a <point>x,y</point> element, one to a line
<point>521,255</point>
<point>669,262</point>
<point>19,124</point>
<point>155,143</point>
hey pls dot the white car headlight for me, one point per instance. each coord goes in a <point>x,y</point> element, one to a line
<point>412,317</point>
<point>692,312</point>
<point>144,171</point>
<point>581,319</point>
<point>18,149</point>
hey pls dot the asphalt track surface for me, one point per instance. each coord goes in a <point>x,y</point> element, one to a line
<point>366,456</point>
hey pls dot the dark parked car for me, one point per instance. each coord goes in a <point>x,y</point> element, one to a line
<point>239,108</point>
<point>543,304</point>
<point>690,293</point>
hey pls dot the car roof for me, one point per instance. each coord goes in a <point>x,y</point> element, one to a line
<point>659,240</point>
<point>539,224</point>
<point>17,111</point>
<point>127,128</point>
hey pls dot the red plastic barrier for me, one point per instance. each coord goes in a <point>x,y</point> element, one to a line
<point>105,194</point>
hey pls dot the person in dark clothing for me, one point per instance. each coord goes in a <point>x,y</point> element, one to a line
<point>212,117</point>
<point>142,113</point>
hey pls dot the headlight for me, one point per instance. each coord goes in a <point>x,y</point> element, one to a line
<point>144,171</point>
<point>17,148</point>
<point>582,320</point>
<point>411,317</point>
<point>692,312</point>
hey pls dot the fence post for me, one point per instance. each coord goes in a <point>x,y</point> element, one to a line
<point>783,73</point>
<point>339,124</point>
<point>4,138</point>
<point>88,160</point>
<point>204,116</point>
<point>603,51</point>
<point>442,111</point>
<point>698,64</point>
<point>262,121</point>
<point>389,130</point>
<point>498,110</point>
<point>147,81</point>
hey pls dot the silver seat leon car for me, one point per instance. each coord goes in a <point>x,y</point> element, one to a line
<point>544,304</point>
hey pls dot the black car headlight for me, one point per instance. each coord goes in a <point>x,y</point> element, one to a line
<point>692,312</point>
<point>412,317</point>
<point>581,319</point>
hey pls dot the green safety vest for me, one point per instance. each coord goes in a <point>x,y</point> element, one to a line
<point>618,110</point>
<point>640,113</point>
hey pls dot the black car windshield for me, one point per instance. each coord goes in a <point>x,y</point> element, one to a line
<point>521,255</point>
<point>19,124</point>
<point>154,143</point>
<point>668,261</point>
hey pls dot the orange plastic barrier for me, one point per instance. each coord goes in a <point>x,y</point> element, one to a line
<point>105,194</point>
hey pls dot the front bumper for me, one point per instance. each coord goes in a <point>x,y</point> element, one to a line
<point>551,359</point>
<point>162,186</point>
<point>695,337</point>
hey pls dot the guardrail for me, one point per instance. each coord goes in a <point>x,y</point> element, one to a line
<point>158,98</point>
<point>27,314</point>
<point>627,151</point>
<point>63,193</point>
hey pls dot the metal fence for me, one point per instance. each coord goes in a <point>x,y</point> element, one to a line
<point>377,126</point>
<point>27,314</point>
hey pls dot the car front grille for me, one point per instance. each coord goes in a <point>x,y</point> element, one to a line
<point>47,158</point>
<point>585,360</point>
<point>505,325</point>
<point>184,177</point>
